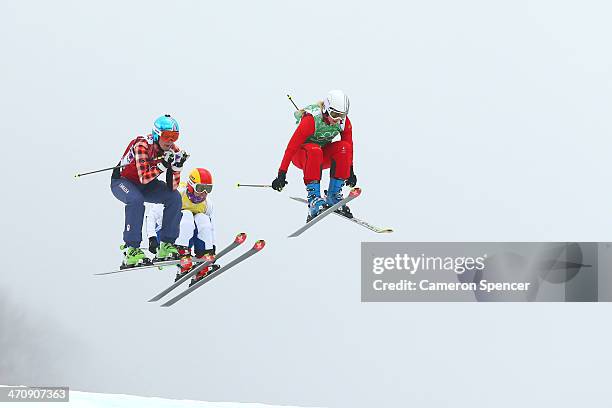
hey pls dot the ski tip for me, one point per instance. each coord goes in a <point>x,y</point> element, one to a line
<point>355,192</point>
<point>237,185</point>
<point>259,245</point>
<point>240,238</point>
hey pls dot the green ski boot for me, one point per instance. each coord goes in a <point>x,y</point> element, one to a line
<point>133,257</point>
<point>166,251</point>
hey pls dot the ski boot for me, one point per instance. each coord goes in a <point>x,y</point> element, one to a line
<point>315,203</point>
<point>133,257</point>
<point>166,252</point>
<point>185,265</point>
<point>334,195</point>
<point>205,271</point>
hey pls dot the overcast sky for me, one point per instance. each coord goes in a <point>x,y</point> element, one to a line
<point>473,121</point>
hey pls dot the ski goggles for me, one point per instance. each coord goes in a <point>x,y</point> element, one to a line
<point>201,187</point>
<point>334,114</point>
<point>169,136</point>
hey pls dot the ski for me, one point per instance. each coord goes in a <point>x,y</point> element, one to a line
<point>158,264</point>
<point>256,248</point>
<point>355,192</point>
<point>356,220</point>
<point>240,238</point>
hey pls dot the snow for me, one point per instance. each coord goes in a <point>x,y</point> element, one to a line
<point>94,400</point>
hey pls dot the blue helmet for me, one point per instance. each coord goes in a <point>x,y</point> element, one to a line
<point>164,123</point>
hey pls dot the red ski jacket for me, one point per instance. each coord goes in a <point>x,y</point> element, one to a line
<point>140,159</point>
<point>305,129</point>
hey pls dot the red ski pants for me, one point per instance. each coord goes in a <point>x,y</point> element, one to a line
<point>313,159</point>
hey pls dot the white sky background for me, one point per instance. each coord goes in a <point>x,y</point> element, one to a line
<point>473,121</point>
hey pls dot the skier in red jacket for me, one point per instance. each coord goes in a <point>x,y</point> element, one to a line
<point>311,149</point>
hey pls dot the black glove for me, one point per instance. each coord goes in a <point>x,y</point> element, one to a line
<point>179,160</point>
<point>352,180</point>
<point>153,245</point>
<point>280,182</point>
<point>166,160</point>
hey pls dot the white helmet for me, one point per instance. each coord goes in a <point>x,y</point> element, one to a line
<point>336,104</point>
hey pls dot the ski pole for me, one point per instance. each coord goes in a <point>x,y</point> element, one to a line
<point>107,169</point>
<point>253,185</point>
<point>291,99</point>
<point>98,171</point>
